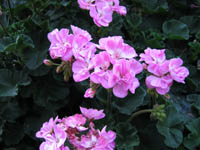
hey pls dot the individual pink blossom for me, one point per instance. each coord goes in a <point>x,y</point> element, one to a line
<point>80,32</point>
<point>52,146</point>
<point>161,84</point>
<point>119,9</point>
<point>101,63</point>
<point>116,47</point>
<point>80,70</point>
<point>47,128</point>
<point>177,72</point>
<point>82,49</point>
<point>123,77</point>
<point>86,4</point>
<point>153,56</point>
<point>92,114</point>
<point>159,69</point>
<point>77,121</point>
<point>102,10</point>
<point>89,93</point>
<point>106,140</point>
<point>61,44</point>
<point>101,13</point>
<point>53,134</point>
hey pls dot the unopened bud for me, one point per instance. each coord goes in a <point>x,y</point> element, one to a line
<point>89,93</point>
<point>0,12</point>
<point>59,68</point>
<point>47,62</point>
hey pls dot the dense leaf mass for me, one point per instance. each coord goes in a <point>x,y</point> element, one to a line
<point>31,93</point>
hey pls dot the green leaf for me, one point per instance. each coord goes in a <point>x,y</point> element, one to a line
<point>51,94</point>
<point>192,141</point>
<point>9,82</point>
<point>192,22</point>
<point>130,103</point>
<point>175,30</point>
<point>171,127</point>
<point>11,110</point>
<point>195,100</point>
<point>127,137</point>
<point>13,133</point>
<point>33,58</point>
<point>24,41</point>
<point>6,43</point>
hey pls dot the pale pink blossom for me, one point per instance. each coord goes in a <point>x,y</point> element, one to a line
<point>153,56</point>
<point>86,4</point>
<point>123,77</point>
<point>102,10</point>
<point>119,9</point>
<point>47,128</point>
<point>159,69</point>
<point>61,44</point>
<point>77,121</point>
<point>161,84</point>
<point>80,70</point>
<point>101,13</point>
<point>105,140</point>
<point>92,114</point>
<point>101,63</point>
<point>80,32</point>
<point>177,72</point>
<point>116,47</point>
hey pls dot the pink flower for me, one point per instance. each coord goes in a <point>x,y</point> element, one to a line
<point>47,128</point>
<point>101,63</point>
<point>89,93</point>
<point>177,72</point>
<point>80,69</point>
<point>52,146</point>
<point>61,44</point>
<point>53,134</point>
<point>101,13</point>
<point>159,69</point>
<point>116,47</point>
<point>123,77</point>
<point>86,4</point>
<point>83,50</point>
<point>101,10</point>
<point>161,84</point>
<point>92,114</point>
<point>153,56</point>
<point>119,9</point>
<point>77,121</point>
<point>80,32</point>
<point>106,140</point>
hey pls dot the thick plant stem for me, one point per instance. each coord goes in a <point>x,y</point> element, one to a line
<point>109,101</point>
<point>139,113</point>
<point>11,13</point>
<point>4,29</point>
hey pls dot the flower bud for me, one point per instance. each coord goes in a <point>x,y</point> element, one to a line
<point>47,62</point>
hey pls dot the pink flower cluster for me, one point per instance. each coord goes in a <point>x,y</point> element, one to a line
<point>75,130</point>
<point>101,10</point>
<point>113,67</point>
<point>163,71</point>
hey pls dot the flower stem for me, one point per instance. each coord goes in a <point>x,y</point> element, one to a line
<point>139,113</point>
<point>11,13</point>
<point>109,100</point>
<point>4,29</point>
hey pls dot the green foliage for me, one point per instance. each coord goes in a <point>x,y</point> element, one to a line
<point>31,93</point>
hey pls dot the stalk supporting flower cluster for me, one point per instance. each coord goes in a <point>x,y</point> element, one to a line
<point>77,130</point>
